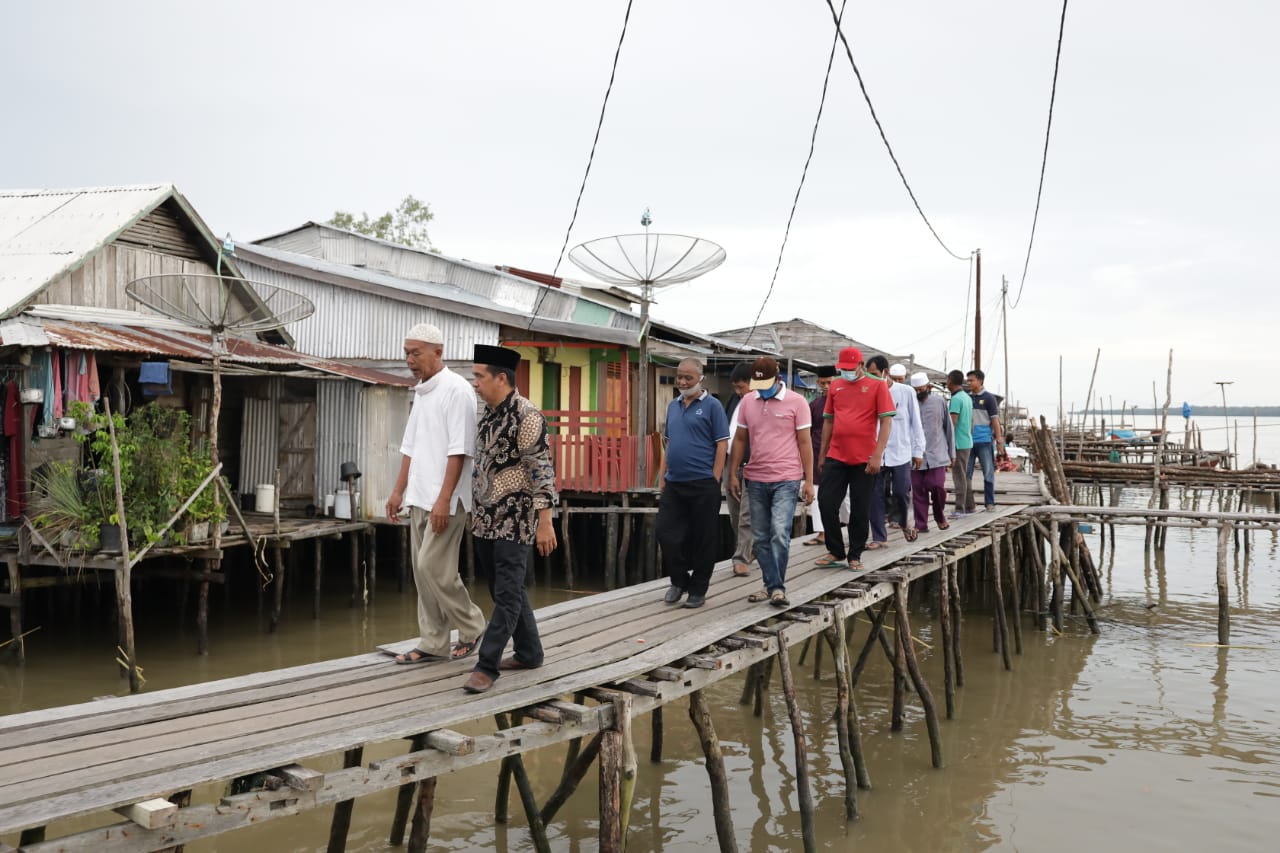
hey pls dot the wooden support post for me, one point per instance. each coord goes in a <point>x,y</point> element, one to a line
<point>1224,600</point>
<point>181,799</point>
<point>516,764</point>
<point>835,638</point>
<point>922,687</point>
<point>277,603</point>
<point>655,743</point>
<point>803,790</point>
<point>566,544</point>
<point>622,719</point>
<point>817,661</point>
<point>762,686</point>
<point>897,656</point>
<point>944,622</point>
<point>1056,568</point>
<point>17,648</point>
<point>953,572</point>
<point>341,823</point>
<point>31,835</point>
<point>749,683</point>
<point>700,715</point>
<point>877,626</point>
<point>1001,621</point>
<point>1033,549</point>
<point>420,832</point>
<point>1015,590</point>
<point>804,650</point>
<point>404,797</point>
<point>318,552</point>
<point>202,606</point>
<point>610,766</point>
<point>574,772</point>
<point>353,539</point>
<point>611,572</point>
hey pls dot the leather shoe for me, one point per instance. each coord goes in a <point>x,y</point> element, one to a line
<point>695,600</point>
<point>511,662</point>
<point>673,595</point>
<point>478,682</point>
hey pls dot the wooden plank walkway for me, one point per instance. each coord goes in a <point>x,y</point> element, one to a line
<point>89,758</point>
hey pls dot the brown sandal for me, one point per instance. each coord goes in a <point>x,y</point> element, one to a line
<point>910,533</point>
<point>757,597</point>
<point>741,570</point>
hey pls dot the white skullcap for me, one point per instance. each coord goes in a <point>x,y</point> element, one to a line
<point>898,370</point>
<point>919,380</point>
<point>426,333</point>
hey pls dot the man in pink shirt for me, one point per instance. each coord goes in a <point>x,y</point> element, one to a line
<point>777,423</point>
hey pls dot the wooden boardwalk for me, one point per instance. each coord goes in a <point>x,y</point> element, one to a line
<point>113,753</point>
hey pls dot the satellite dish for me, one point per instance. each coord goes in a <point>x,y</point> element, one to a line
<point>203,299</point>
<point>647,260</point>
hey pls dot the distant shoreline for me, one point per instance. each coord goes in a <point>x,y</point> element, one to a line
<point>1175,411</point>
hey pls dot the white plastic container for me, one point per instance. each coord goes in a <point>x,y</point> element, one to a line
<point>328,503</point>
<point>264,498</point>
<point>342,505</point>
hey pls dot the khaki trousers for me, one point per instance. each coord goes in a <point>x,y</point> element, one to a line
<point>443,601</point>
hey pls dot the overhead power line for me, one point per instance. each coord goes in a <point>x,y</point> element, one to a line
<point>813,141</point>
<point>1044,159</point>
<point>613,72</point>
<point>883,138</point>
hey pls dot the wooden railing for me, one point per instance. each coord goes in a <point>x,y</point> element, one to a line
<point>602,463</point>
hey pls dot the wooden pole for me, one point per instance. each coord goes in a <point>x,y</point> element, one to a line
<point>953,572</point>
<point>405,797</point>
<point>317,551</point>
<point>123,575</point>
<point>610,765</point>
<point>516,764</point>
<point>15,610</point>
<point>574,772</point>
<point>341,823</point>
<point>948,653</point>
<point>762,686</point>
<point>1088,397</point>
<point>1015,590</point>
<point>1001,621</point>
<point>622,719</point>
<point>898,657</point>
<point>566,543</point>
<point>835,637</point>
<point>420,833</point>
<point>1224,600</point>
<point>877,626</point>
<point>277,557</point>
<point>700,715</point>
<point>655,741</point>
<point>353,541</point>
<point>611,572</point>
<point>1056,570</point>
<point>922,687</point>
<point>803,790</point>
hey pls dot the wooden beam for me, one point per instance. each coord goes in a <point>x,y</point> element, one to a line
<point>150,814</point>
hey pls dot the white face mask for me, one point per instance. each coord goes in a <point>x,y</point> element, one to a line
<point>849,375</point>
<point>692,391</point>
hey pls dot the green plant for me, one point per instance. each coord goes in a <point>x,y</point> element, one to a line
<point>62,509</point>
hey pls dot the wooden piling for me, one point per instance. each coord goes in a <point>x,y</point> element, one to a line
<point>405,797</point>
<point>341,823</point>
<point>611,573</point>
<point>353,540</point>
<point>655,740</point>
<point>1015,590</point>
<point>953,571</point>
<point>371,562</point>
<point>1224,600</point>
<point>622,720</point>
<point>700,716</point>
<point>17,646</point>
<point>948,649</point>
<point>805,794</point>
<point>610,766</point>
<point>1001,621</point>
<point>277,558</point>
<point>921,686</point>
<point>762,686</point>
<point>749,683</point>
<point>566,544</point>
<point>317,550</point>
<point>1055,569</point>
<point>877,626</point>
<point>574,772</point>
<point>839,651</point>
<point>420,833</point>
<point>898,658</point>
<point>517,770</point>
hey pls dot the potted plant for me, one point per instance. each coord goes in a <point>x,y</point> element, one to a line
<point>62,510</point>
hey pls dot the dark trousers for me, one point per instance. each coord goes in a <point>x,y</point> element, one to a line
<point>899,477</point>
<point>840,479</point>
<point>929,486</point>
<point>504,564</point>
<point>689,531</point>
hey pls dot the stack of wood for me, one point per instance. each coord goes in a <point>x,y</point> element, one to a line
<point>1256,480</point>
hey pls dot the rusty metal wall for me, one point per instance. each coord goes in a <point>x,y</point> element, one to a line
<point>259,438</point>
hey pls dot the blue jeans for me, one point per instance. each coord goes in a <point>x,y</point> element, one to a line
<point>900,476</point>
<point>985,452</point>
<point>773,512</point>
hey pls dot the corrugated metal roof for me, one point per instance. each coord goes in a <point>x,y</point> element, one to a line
<point>143,334</point>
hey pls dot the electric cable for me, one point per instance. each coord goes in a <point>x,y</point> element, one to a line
<point>883,138</point>
<point>1044,159</point>
<point>613,73</point>
<point>813,141</point>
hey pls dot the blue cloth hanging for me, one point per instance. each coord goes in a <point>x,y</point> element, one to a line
<point>155,378</point>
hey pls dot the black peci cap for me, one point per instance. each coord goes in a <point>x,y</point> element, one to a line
<point>497,356</point>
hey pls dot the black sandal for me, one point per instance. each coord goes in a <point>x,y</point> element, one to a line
<point>464,650</point>
<point>418,656</point>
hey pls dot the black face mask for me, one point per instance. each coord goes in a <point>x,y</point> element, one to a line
<point>922,395</point>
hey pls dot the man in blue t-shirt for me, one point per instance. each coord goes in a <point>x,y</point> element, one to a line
<point>695,439</point>
<point>988,441</point>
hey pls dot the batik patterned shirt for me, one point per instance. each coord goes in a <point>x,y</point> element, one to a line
<point>513,476</point>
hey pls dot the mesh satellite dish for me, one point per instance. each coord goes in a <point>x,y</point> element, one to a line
<point>206,300</point>
<point>646,261</point>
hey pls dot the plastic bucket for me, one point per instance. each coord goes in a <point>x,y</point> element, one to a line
<point>264,498</point>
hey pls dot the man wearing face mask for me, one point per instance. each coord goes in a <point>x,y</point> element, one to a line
<point>929,481</point>
<point>855,430</point>
<point>776,422</point>
<point>696,438</point>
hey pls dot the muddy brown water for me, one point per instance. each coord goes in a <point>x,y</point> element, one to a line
<point>1145,738</point>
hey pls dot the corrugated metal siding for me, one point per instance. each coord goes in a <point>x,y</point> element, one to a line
<point>385,413</point>
<point>350,324</point>
<point>259,439</point>
<point>337,433</point>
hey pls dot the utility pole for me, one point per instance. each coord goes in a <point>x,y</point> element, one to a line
<point>977,312</point>
<point>1004,324</point>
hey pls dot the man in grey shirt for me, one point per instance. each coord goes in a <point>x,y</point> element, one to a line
<point>929,481</point>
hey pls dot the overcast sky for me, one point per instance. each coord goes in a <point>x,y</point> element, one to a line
<point>1156,229</point>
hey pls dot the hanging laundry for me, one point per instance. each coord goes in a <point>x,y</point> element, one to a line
<point>40,375</point>
<point>14,427</point>
<point>93,387</point>
<point>155,378</point>
<point>53,403</point>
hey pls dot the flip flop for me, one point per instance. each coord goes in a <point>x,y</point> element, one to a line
<point>944,526</point>
<point>779,599</point>
<point>910,533</point>
<point>856,565</point>
<point>464,650</point>
<point>873,546</point>
<point>827,561</point>
<point>757,597</point>
<point>815,541</point>
<point>418,656</point>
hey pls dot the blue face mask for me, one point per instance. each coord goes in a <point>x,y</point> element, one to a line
<point>849,375</point>
<point>769,393</point>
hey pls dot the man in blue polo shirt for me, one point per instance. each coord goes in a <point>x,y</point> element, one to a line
<point>696,438</point>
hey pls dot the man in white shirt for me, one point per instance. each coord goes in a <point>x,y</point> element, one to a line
<point>903,454</point>
<point>435,487</point>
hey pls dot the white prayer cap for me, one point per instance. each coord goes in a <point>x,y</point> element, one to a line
<point>426,333</point>
<point>919,380</point>
<point>898,370</point>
